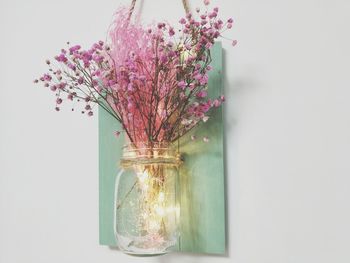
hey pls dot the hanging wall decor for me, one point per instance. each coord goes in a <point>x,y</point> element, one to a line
<point>159,94</point>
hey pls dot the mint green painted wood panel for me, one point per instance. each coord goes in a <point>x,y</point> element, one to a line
<point>202,177</point>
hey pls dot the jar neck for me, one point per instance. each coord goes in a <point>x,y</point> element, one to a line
<point>147,152</point>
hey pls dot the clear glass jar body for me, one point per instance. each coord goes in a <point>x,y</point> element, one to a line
<point>146,194</point>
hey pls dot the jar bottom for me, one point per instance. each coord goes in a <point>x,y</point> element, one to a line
<point>145,245</point>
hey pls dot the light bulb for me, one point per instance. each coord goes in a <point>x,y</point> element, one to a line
<point>143,176</point>
<point>153,225</point>
<point>160,211</point>
<point>161,197</point>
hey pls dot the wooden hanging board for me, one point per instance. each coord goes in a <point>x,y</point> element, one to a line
<point>202,176</point>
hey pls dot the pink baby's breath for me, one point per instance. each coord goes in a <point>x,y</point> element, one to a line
<point>150,79</point>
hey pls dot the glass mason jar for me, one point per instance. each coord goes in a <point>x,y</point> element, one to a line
<point>146,199</point>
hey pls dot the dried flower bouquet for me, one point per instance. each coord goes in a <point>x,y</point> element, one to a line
<point>153,80</point>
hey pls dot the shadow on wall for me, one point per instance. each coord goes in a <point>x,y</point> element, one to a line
<point>235,92</point>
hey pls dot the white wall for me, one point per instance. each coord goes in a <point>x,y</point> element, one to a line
<point>288,134</point>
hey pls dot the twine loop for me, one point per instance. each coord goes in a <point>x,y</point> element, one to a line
<point>133,3</point>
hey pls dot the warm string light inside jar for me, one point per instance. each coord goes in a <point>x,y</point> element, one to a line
<point>147,214</point>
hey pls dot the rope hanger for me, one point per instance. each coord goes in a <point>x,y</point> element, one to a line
<point>132,7</point>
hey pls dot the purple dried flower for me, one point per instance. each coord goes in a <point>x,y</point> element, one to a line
<point>74,48</point>
<point>163,59</point>
<point>181,84</point>
<point>62,85</point>
<point>182,21</point>
<point>71,66</point>
<point>47,77</point>
<point>98,58</point>
<point>61,58</point>
<point>216,103</point>
<point>160,25</point>
<point>213,15</point>
<point>202,94</point>
<point>81,80</point>
<point>171,32</point>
